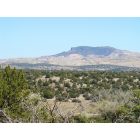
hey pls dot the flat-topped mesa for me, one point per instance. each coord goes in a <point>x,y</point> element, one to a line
<point>83,56</point>
<point>87,50</point>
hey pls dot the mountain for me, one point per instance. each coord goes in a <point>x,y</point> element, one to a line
<point>86,50</point>
<point>79,58</point>
<point>86,55</point>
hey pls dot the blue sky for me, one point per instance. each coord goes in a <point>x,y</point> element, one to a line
<point>33,37</point>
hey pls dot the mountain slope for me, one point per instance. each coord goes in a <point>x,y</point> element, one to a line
<point>82,56</point>
<point>85,55</point>
<point>86,50</point>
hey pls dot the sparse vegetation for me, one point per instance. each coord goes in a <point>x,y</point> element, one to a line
<point>69,96</point>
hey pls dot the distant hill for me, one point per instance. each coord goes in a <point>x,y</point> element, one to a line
<point>81,56</point>
<point>44,66</point>
<point>86,55</point>
<point>86,50</point>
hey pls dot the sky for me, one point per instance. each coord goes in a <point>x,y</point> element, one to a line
<point>34,37</point>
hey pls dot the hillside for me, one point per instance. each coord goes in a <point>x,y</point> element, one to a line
<point>86,50</point>
<point>80,56</point>
<point>85,55</point>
